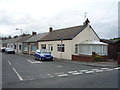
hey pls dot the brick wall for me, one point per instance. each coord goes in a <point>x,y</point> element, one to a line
<point>118,58</point>
<point>87,58</point>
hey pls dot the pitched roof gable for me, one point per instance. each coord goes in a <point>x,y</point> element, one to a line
<point>12,40</point>
<point>23,38</point>
<point>36,37</point>
<point>65,34</point>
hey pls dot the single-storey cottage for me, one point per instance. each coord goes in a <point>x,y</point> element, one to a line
<point>11,43</point>
<point>31,44</point>
<point>64,43</point>
<point>19,43</point>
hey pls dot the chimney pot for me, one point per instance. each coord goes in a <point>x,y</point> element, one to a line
<point>34,33</point>
<point>50,29</point>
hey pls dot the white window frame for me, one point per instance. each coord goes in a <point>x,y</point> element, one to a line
<point>50,47</point>
<point>61,47</point>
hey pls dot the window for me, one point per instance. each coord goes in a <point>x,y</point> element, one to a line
<point>25,48</point>
<point>85,49</point>
<point>50,47</point>
<point>8,46</point>
<point>88,49</point>
<point>76,48</point>
<point>43,46</point>
<point>19,47</point>
<point>11,46</point>
<point>61,47</point>
<point>33,48</point>
<point>14,46</point>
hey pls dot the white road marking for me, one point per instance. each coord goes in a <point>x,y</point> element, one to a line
<point>31,61</point>
<point>109,69</point>
<point>43,77</point>
<point>94,69</point>
<point>30,79</point>
<point>104,68</point>
<point>51,76</point>
<point>99,71</point>
<point>117,68</point>
<point>30,76</point>
<point>83,70</point>
<point>72,71</point>
<point>89,72</point>
<point>21,79</point>
<point>62,75</point>
<point>77,73</point>
<point>9,62</point>
<point>59,66</point>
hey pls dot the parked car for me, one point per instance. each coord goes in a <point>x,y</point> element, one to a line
<point>43,54</point>
<point>2,49</point>
<point>9,51</point>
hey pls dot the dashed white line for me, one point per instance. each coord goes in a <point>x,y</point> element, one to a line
<point>99,71</point>
<point>59,66</point>
<point>33,61</point>
<point>77,73</point>
<point>109,69</point>
<point>31,79</point>
<point>62,75</point>
<point>21,79</point>
<point>51,76</point>
<point>59,73</point>
<point>104,68</point>
<point>9,62</point>
<point>72,71</point>
<point>83,70</point>
<point>89,72</point>
<point>94,69</point>
<point>117,68</point>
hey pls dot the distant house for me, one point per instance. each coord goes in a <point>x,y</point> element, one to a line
<point>19,43</point>
<point>78,40</point>
<point>16,43</point>
<point>31,44</point>
<point>11,43</point>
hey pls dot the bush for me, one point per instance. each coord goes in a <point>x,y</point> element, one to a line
<point>97,58</point>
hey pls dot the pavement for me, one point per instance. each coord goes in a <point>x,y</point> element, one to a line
<point>109,64</point>
<point>101,64</point>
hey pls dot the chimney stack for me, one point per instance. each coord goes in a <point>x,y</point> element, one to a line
<point>50,29</point>
<point>87,22</point>
<point>34,33</point>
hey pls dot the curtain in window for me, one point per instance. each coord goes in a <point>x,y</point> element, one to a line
<point>33,48</point>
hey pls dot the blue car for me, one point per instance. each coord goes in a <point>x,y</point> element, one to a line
<point>43,54</point>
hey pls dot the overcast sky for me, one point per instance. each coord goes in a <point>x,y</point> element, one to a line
<point>39,15</point>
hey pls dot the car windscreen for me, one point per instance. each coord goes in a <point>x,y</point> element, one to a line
<point>44,51</point>
<point>10,49</point>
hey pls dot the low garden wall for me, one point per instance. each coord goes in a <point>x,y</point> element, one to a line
<point>118,58</point>
<point>89,58</point>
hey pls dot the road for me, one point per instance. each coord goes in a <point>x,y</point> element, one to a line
<point>22,71</point>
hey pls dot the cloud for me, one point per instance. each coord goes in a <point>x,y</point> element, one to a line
<point>39,15</point>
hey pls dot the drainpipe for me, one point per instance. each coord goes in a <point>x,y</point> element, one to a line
<point>61,47</point>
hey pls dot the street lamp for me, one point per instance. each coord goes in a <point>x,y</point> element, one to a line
<point>19,29</point>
